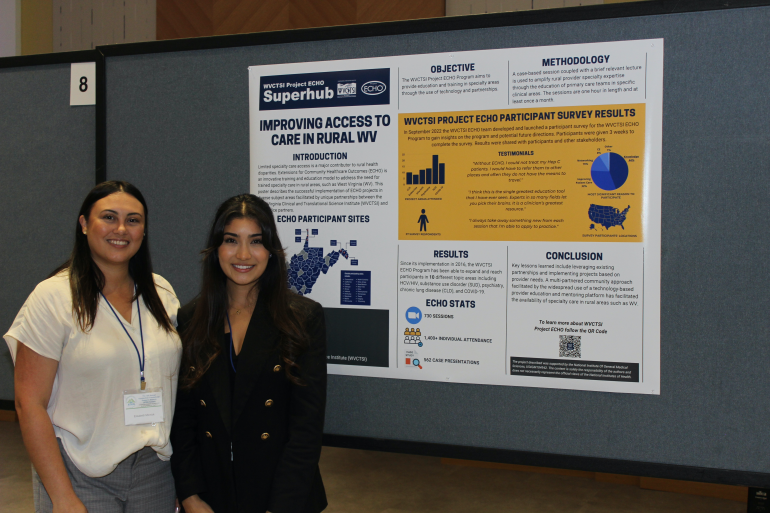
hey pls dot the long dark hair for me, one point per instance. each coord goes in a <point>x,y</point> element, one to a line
<point>288,310</point>
<point>87,280</point>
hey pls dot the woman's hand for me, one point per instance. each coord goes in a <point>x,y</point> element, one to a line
<point>194,504</point>
<point>69,505</point>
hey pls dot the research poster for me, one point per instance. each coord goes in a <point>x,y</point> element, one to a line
<point>487,217</point>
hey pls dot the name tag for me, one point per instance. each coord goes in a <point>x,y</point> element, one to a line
<point>143,406</point>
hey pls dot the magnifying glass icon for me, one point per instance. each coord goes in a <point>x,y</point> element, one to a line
<point>416,362</point>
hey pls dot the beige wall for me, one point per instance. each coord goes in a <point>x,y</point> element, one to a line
<point>10,28</point>
<point>86,24</point>
<point>36,26</point>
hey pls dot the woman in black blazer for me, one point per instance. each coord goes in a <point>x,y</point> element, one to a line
<point>249,415</point>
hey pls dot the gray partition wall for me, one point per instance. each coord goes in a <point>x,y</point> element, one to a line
<point>177,126</point>
<point>47,165</point>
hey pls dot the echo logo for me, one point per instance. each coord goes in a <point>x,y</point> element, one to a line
<point>373,87</point>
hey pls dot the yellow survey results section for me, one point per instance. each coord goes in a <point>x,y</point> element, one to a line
<point>548,174</point>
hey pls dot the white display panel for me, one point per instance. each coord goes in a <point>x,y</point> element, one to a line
<point>506,203</point>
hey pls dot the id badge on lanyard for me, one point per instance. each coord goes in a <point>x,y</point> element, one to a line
<point>143,406</point>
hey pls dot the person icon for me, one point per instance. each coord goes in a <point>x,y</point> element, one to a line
<point>406,331</point>
<point>423,220</point>
<point>418,332</point>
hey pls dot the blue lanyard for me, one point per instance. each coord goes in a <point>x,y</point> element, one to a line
<point>141,334</point>
<point>231,341</point>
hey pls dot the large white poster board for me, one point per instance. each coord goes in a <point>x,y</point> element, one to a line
<point>500,207</point>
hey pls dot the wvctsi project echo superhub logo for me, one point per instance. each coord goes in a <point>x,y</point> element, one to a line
<point>330,89</point>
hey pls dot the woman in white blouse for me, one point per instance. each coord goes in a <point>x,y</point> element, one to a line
<point>97,357</point>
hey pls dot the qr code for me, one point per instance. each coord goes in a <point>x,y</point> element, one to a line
<point>569,346</point>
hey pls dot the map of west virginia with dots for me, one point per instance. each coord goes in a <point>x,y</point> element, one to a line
<point>306,266</point>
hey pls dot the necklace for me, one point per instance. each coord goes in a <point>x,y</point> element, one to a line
<point>249,307</point>
<point>238,310</point>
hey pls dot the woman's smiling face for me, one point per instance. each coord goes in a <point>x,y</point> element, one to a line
<point>114,228</point>
<point>242,256</point>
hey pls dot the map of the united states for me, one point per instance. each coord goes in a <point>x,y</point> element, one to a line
<point>306,266</point>
<point>607,216</point>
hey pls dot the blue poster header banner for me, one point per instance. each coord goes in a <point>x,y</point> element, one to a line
<point>331,89</point>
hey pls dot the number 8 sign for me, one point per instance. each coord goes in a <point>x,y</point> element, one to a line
<point>83,83</point>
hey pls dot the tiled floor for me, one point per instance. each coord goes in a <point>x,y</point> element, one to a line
<point>364,481</point>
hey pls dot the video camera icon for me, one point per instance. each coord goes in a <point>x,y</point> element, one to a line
<point>413,315</point>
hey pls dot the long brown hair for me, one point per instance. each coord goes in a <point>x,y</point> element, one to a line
<point>87,280</point>
<point>288,310</point>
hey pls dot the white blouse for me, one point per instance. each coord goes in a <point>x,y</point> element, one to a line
<point>86,406</point>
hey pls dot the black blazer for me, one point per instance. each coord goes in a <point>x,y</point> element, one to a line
<point>255,450</point>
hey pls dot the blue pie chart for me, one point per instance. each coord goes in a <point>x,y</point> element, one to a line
<point>609,171</point>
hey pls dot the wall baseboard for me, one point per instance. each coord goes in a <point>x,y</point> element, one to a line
<point>8,411</point>
<point>718,491</point>
<point>8,416</point>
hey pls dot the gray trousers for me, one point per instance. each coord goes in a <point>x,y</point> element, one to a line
<point>141,483</point>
